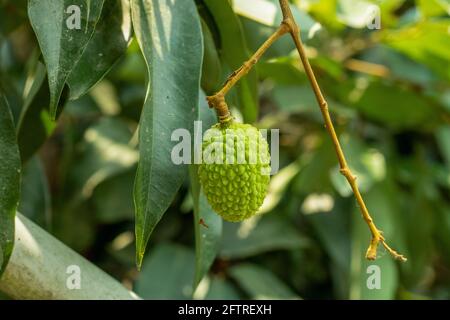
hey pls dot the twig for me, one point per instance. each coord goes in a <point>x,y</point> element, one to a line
<point>367,68</point>
<point>377,236</point>
<point>217,101</point>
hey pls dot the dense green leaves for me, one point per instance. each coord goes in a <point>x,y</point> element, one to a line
<point>9,181</point>
<point>107,45</point>
<point>389,99</point>
<point>62,40</point>
<point>169,35</point>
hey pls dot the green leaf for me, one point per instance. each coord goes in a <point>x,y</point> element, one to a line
<point>130,68</point>
<point>235,52</point>
<point>106,153</point>
<point>113,198</point>
<point>62,47</point>
<point>106,98</point>
<point>417,228</point>
<point>221,289</point>
<point>9,87</point>
<point>211,68</point>
<point>367,164</point>
<point>443,139</point>
<point>35,199</point>
<point>260,283</point>
<point>167,273</point>
<point>432,8</point>
<point>361,287</point>
<point>394,106</point>
<point>325,11</point>
<point>108,43</point>
<point>425,42</point>
<point>329,66</point>
<point>259,235</point>
<point>206,115</point>
<point>278,185</point>
<point>208,229</point>
<point>381,202</point>
<point>442,228</point>
<point>400,66</point>
<point>363,271</point>
<point>356,13</point>
<point>74,224</point>
<point>282,71</point>
<point>299,99</point>
<point>170,38</point>
<point>9,182</point>
<point>314,176</point>
<point>332,229</point>
<point>34,125</point>
<point>207,239</point>
<point>292,92</point>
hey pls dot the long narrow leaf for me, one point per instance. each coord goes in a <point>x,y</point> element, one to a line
<point>63,30</point>
<point>169,35</point>
<point>9,181</point>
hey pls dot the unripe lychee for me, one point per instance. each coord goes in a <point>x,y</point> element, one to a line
<point>235,170</point>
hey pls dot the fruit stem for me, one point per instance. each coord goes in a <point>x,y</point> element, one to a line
<point>377,237</point>
<point>217,100</point>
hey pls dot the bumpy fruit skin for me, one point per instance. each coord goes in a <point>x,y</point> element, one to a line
<point>235,188</point>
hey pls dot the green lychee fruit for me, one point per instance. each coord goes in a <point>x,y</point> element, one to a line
<point>235,170</point>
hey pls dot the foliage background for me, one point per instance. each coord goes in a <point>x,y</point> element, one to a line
<point>389,95</point>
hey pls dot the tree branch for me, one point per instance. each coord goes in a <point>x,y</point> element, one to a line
<point>377,236</point>
<point>217,101</point>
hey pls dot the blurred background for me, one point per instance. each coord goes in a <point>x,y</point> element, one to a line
<point>385,72</point>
